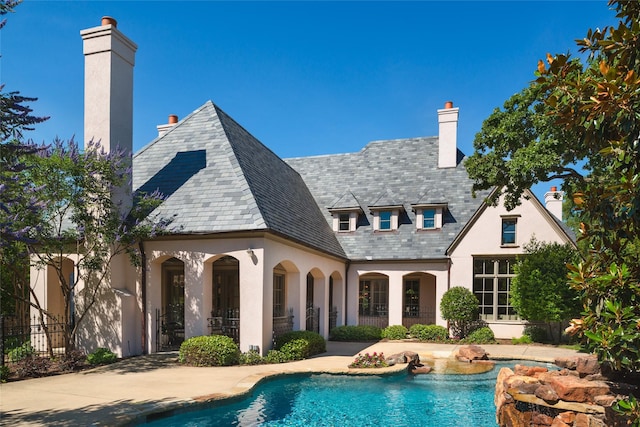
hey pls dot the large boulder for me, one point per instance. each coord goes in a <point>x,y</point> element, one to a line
<point>467,353</point>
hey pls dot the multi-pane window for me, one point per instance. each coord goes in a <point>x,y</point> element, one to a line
<point>374,297</point>
<point>278,295</point>
<point>344,222</point>
<point>411,298</point>
<point>509,231</point>
<point>429,218</point>
<point>385,220</point>
<point>491,285</point>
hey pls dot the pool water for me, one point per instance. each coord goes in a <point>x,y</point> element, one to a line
<point>442,400</point>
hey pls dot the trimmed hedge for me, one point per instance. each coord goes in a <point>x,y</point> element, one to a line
<point>355,333</point>
<point>429,332</point>
<point>101,356</point>
<point>212,350</point>
<point>299,345</point>
<point>395,332</point>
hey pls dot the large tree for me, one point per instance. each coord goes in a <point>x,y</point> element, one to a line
<point>579,121</point>
<point>539,291</point>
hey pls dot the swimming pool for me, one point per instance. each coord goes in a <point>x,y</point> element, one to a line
<point>442,400</point>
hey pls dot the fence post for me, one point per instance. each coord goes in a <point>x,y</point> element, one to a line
<point>1,339</point>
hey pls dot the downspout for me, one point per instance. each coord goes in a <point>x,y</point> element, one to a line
<point>143,284</point>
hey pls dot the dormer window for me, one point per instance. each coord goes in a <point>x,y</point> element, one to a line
<point>344,222</point>
<point>385,220</point>
<point>345,212</point>
<point>429,216</point>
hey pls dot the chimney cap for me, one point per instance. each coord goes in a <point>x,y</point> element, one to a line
<point>448,104</point>
<point>554,188</point>
<point>107,20</point>
<point>173,119</point>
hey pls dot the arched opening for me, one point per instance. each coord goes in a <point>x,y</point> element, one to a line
<point>418,299</point>
<point>172,313</point>
<point>282,312</point>
<point>373,300</point>
<point>225,311</point>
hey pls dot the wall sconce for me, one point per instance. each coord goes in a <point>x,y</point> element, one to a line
<point>250,252</point>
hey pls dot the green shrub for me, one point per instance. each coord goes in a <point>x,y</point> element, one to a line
<point>18,353</point>
<point>101,356</point>
<point>251,357</point>
<point>355,333</point>
<point>536,333</point>
<point>4,373</point>
<point>395,332</point>
<point>481,336</point>
<point>275,356</point>
<point>212,350</point>
<point>300,344</point>
<point>525,339</point>
<point>460,307</point>
<point>429,332</point>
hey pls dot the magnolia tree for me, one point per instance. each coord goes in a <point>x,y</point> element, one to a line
<point>579,121</point>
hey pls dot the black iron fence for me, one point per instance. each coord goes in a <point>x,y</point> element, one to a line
<point>21,336</point>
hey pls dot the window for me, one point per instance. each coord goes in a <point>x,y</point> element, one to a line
<point>509,231</point>
<point>385,220</point>
<point>278,295</point>
<point>492,285</point>
<point>344,222</point>
<point>411,298</point>
<point>374,297</point>
<point>429,218</point>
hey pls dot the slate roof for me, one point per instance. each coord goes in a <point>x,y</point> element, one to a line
<point>402,172</point>
<point>217,178</point>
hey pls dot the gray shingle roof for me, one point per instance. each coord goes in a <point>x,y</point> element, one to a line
<point>401,172</point>
<point>217,177</point>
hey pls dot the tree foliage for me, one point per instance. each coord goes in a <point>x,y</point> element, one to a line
<point>460,308</point>
<point>540,291</point>
<point>589,119</point>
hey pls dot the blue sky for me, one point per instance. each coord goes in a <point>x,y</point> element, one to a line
<point>305,78</point>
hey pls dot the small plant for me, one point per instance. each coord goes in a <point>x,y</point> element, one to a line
<point>212,350</point>
<point>481,336</point>
<point>251,357</point>
<point>276,356</point>
<point>536,333</point>
<point>367,360</point>
<point>4,373</point>
<point>101,356</point>
<point>355,333</point>
<point>18,353</point>
<point>395,332</point>
<point>630,408</point>
<point>435,333</point>
<point>524,339</point>
<point>300,344</point>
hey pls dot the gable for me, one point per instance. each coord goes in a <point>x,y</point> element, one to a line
<point>483,233</point>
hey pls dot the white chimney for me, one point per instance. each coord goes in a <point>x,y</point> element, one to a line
<point>109,57</point>
<point>162,129</point>
<point>553,202</point>
<point>448,135</point>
